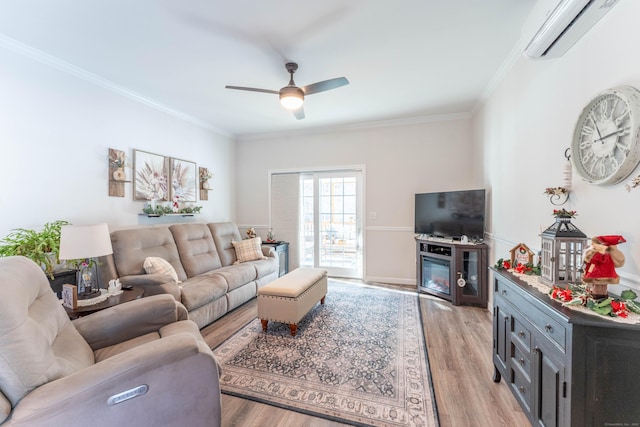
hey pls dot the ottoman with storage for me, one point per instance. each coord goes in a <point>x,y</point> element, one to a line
<point>289,298</point>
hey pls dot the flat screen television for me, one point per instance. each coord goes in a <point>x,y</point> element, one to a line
<point>451,214</point>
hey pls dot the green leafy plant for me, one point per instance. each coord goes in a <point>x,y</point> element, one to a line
<point>164,210</point>
<point>43,247</point>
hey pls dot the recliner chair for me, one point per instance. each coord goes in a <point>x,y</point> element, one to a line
<point>139,363</point>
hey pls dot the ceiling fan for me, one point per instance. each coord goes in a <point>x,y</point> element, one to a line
<point>292,96</point>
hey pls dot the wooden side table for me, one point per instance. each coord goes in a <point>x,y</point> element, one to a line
<point>126,296</point>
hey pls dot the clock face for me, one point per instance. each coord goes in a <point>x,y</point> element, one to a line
<point>606,142</point>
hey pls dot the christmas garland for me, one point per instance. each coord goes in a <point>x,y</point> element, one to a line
<point>528,268</point>
<point>580,295</point>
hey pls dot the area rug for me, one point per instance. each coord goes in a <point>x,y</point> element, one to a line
<point>359,359</point>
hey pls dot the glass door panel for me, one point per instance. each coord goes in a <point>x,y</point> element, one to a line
<point>331,205</point>
<point>470,273</point>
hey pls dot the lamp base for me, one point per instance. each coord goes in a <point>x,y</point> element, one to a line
<point>91,294</point>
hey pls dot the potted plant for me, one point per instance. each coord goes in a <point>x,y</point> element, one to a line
<point>42,246</point>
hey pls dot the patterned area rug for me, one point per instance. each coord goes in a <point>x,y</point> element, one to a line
<point>360,359</point>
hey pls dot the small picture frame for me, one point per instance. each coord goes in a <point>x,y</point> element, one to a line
<point>70,296</point>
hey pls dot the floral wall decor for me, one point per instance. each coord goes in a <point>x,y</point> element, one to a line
<point>151,176</point>
<point>183,180</point>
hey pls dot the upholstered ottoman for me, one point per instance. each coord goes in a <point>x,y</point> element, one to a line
<point>290,297</point>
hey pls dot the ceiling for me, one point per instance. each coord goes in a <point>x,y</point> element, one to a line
<point>405,59</point>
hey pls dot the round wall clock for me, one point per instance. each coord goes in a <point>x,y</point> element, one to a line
<point>606,142</point>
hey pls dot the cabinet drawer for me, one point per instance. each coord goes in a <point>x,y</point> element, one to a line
<point>521,388</point>
<point>551,328</point>
<point>522,359</point>
<point>520,333</point>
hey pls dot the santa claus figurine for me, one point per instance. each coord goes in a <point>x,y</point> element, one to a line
<point>601,260</point>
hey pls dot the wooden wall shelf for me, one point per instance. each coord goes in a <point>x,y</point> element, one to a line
<point>116,187</point>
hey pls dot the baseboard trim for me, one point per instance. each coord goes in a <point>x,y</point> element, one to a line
<point>390,280</point>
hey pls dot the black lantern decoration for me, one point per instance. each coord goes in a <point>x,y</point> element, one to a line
<point>562,247</point>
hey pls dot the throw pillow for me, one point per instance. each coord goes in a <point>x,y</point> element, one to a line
<point>248,250</point>
<point>154,265</point>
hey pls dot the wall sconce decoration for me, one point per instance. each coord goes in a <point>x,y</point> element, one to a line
<point>204,177</point>
<point>635,182</point>
<point>117,172</point>
<point>560,195</point>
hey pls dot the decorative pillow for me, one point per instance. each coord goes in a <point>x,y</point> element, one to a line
<point>154,264</point>
<point>248,250</point>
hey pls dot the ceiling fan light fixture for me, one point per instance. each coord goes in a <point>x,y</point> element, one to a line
<point>291,97</point>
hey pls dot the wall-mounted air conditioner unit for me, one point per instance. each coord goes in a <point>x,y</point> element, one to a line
<point>554,26</point>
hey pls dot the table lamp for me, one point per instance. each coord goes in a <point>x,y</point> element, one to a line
<point>85,243</point>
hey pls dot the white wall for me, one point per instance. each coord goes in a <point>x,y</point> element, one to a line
<point>399,161</point>
<point>527,124</point>
<point>55,131</point>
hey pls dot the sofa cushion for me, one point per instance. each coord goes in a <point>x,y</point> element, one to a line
<point>156,265</point>
<point>248,250</point>
<point>236,275</point>
<point>196,247</point>
<point>132,246</point>
<point>223,233</point>
<point>265,266</point>
<point>200,290</point>
<point>38,343</point>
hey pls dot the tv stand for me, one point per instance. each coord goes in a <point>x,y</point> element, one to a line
<point>452,270</point>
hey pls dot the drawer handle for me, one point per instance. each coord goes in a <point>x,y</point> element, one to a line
<point>521,389</point>
<point>536,349</point>
<point>504,292</point>
<point>521,360</point>
<point>548,328</point>
<point>521,334</point>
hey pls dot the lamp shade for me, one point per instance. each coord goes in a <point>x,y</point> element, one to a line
<point>84,241</point>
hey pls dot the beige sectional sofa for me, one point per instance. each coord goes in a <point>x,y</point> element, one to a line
<point>204,259</point>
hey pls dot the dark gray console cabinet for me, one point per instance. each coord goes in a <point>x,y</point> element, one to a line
<point>282,249</point>
<point>565,368</point>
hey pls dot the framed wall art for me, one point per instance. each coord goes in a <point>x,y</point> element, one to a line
<point>184,181</point>
<point>151,176</point>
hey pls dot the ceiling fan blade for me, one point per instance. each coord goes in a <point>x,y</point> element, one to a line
<point>299,113</point>
<point>325,85</point>
<point>253,89</point>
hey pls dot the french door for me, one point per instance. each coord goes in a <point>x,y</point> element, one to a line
<point>330,234</point>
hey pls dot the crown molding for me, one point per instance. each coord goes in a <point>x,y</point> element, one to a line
<point>512,58</point>
<point>66,67</point>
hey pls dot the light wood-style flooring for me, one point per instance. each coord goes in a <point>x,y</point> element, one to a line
<point>459,343</point>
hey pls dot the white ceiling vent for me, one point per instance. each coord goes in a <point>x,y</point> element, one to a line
<point>554,26</point>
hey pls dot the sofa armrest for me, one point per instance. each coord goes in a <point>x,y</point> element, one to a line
<point>269,251</point>
<point>175,370</point>
<point>129,320</point>
<point>153,284</point>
